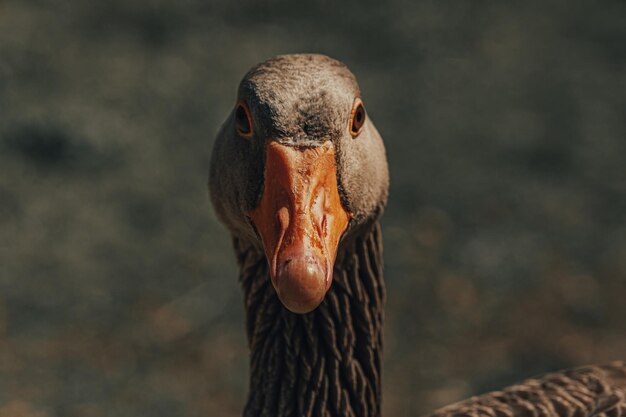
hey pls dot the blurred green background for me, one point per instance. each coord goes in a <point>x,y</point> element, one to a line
<point>505,234</point>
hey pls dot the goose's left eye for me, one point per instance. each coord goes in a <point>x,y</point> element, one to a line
<point>357,119</point>
<point>243,121</point>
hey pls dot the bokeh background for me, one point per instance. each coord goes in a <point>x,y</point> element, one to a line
<point>505,233</point>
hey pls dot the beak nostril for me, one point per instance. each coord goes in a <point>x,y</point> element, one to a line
<point>282,218</point>
<point>320,227</point>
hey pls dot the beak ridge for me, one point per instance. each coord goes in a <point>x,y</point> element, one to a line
<point>300,220</point>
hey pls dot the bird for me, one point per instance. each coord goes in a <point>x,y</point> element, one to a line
<point>299,176</point>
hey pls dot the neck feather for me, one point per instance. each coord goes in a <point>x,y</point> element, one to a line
<point>324,363</point>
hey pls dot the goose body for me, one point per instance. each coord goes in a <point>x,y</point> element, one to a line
<point>583,392</point>
<point>299,176</point>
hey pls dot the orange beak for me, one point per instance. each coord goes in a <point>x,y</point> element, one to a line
<point>300,219</point>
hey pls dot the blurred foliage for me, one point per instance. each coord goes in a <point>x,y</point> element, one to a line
<point>505,234</point>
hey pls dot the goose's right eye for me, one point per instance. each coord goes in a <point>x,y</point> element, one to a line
<point>357,118</point>
<point>243,121</point>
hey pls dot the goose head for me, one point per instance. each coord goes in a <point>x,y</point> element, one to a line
<point>297,168</point>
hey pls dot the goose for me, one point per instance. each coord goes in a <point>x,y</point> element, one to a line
<point>299,176</point>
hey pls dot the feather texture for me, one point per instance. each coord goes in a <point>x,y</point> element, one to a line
<point>588,391</point>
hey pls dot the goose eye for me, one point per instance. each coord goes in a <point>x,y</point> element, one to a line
<point>243,121</point>
<point>357,119</point>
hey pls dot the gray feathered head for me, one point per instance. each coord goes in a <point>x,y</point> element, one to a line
<point>296,168</point>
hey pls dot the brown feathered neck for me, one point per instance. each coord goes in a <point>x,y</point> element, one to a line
<point>324,363</point>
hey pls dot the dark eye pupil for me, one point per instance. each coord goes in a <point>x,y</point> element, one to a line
<point>243,124</point>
